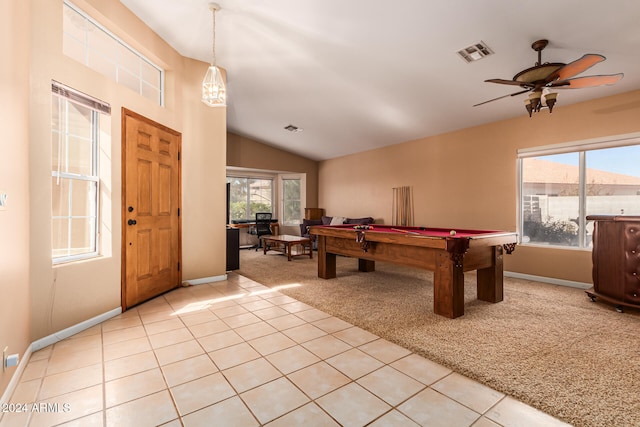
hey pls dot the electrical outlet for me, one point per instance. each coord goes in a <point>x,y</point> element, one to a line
<point>12,360</point>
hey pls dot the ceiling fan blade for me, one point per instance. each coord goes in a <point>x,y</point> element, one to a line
<point>507,82</point>
<point>575,67</point>
<point>587,81</point>
<point>504,96</point>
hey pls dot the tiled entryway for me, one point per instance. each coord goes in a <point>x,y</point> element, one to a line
<point>236,353</point>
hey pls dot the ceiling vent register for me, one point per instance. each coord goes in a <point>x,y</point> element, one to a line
<point>292,128</point>
<point>475,52</point>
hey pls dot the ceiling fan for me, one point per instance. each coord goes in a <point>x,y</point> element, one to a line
<point>541,78</point>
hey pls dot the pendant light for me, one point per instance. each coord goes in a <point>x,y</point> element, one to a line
<point>214,92</point>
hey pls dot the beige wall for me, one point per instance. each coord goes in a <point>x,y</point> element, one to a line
<point>468,178</point>
<point>14,181</point>
<point>203,181</point>
<point>67,294</point>
<point>248,153</point>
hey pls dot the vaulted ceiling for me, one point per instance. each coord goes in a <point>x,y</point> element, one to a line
<point>362,74</point>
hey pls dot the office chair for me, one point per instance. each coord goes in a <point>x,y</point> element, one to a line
<point>263,226</point>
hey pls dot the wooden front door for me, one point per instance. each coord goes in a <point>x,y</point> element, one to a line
<point>151,225</point>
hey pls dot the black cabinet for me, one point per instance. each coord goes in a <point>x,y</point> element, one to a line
<point>233,248</point>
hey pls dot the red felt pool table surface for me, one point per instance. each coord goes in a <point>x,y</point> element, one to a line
<point>422,231</point>
<point>434,249</point>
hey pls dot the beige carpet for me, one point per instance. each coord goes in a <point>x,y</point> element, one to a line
<point>548,346</point>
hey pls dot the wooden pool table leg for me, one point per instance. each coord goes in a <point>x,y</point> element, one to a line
<point>326,261</point>
<point>490,279</point>
<point>366,265</point>
<point>448,287</point>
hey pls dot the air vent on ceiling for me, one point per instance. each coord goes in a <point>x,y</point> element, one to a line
<point>292,128</point>
<point>475,52</point>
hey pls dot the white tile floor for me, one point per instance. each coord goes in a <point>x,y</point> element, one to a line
<point>236,353</point>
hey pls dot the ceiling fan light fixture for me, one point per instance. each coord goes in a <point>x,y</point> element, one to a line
<point>533,104</point>
<point>535,98</point>
<point>527,105</point>
<point>540,78</point>
<point>550,100</point>
<point>214,91</point>
<point>538,100</point>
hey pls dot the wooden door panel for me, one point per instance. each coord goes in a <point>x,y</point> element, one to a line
<point>164,250</point>
<point>143,184</point>
<point>143,254</point>
<point>164,197</point>
<point>143,140</point>
<point>151,206</point>
<point>164,147</point>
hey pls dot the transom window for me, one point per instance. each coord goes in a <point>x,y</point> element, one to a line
<point>89,43</point>
<point>561,185</point>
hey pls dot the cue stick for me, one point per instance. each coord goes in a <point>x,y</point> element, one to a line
<point>406,210</point>
<point>401,222</point>
<point>394,218</point>
<point>409,215</point>
<point>397,206</point>
<point>401,205</point>
<point>405,231</point>
<point>410,221</point>
<point>393,204</point>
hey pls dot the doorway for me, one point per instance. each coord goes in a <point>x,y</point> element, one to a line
<point>151,202</point>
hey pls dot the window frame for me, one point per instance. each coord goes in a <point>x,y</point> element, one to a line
<point>258,176</point>
<point>303,195</point>
<point>581,148</point>
<point>96,107</point>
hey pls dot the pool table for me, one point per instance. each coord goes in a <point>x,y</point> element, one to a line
<point>440,250</point>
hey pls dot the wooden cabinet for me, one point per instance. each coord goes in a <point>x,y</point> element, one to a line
<point>313,213</point>
<point>616,260</point>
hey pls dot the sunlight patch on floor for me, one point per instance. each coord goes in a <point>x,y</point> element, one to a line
<point>203,305</point>
<point>275,289</point>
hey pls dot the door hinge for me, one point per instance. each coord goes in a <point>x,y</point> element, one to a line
<point>178,266</point>
<point>178,211</point>
<point>178,155</point>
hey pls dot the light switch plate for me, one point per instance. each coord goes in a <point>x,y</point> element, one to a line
<point>3,200</point>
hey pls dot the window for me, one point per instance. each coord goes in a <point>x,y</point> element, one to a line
<point>293,195</point>
<point>561,185</point>
<point>75,130</point>
<point>249,196</point>
<point>89,43</point>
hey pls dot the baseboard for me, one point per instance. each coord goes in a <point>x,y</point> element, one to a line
<point>204,280</point>
<point>52,339</point>
<point>72,330</point>
<point>551,280</point>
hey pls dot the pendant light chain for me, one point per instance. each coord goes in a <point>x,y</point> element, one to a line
<point>213,10</point>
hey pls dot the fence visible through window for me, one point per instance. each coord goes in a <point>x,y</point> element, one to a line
<point>559,190</point>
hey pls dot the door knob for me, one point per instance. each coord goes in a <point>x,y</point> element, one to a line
<point>130,208</point>
<point>132,222</point>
